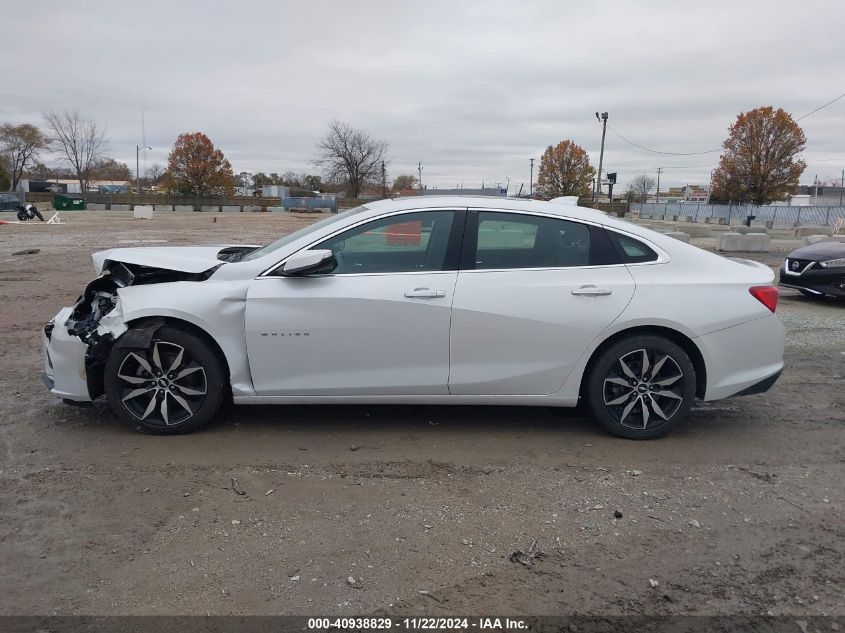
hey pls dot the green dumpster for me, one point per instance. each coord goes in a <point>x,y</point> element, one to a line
<point>68,202</point>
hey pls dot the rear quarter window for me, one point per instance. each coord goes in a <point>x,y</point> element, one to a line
<point>631,250</point>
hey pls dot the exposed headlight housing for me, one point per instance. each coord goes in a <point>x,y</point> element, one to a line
<point>833,263</point>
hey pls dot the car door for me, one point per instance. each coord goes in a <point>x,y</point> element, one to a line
<point>378,324</point>
<point>533,292</point>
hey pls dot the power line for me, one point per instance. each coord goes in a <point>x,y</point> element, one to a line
<point>821,107</point>
<point>711,151</point>
<point>657,151</point>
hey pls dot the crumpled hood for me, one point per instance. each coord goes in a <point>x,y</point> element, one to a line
<point>188,259</point>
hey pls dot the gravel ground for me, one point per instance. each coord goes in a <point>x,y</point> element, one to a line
<point>359,509</point>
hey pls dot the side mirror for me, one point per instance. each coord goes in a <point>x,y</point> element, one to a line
<point>309,262</point>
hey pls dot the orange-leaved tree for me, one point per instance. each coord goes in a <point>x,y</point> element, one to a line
<point>761,160</point>
<point>196,167</point>
<point>565,170</point>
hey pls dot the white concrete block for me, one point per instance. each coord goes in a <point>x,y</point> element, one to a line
<point>231,208</point>
<point>143,212</point>
<point>744,230</point>
<point>163,207</point>
<point>210,208</point>
<point>251,209</point>
<point>183,207</point>
<point>120,207</point>
<point>275,209</point>
<point>815,239</point>
<point>737,243</point>
<point>804,231</point>
<point>95,206</point>
<point>694,230</point>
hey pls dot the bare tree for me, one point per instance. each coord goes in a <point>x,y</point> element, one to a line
<point>21,144</point>
<point>641,186</point>
<point>350,156</point>
<point>154,173</point>
<point>80,139</point>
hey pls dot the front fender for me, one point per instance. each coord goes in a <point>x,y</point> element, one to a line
<point>217,309</point>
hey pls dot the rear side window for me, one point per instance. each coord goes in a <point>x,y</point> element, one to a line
<point>630,250</point>
<point>511,240</point>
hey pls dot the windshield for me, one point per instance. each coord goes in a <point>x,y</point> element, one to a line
<point>292,237</point>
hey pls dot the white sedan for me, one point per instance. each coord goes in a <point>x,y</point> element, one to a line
<point>432,300</point>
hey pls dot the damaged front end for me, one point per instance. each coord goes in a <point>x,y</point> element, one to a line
<point>79,339</point>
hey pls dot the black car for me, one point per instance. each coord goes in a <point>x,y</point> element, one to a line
<point>816,270</point>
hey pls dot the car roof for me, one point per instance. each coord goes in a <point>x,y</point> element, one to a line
<point>486,202</point>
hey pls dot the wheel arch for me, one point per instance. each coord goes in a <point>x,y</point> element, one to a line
<point>679,338</point>
<point>152,324</point>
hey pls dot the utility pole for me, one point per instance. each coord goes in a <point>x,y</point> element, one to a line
<point>842,187</point>
<point>138,149</point>
<point>816,190</point>
<point>710,186</point>
<point>531,181</point>
<point>383,181</point>
<point>603,120</point>
<point>419,170</point>
<point>657,195</point>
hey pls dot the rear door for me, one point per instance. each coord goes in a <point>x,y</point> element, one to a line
<point>532,294</point>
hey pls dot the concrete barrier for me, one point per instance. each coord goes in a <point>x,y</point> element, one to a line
<point>681,237</point>
<point>739,243</point>
<point>815,239</point>
<point>231,208</point>
<point>119,207</point>
<point>694,230</point>
<point>744,230</point>
<point>275,209</point>
<point>210,208</point>
<point>684,218</point>
<point>183,207</point>
<point>142,212</point>
<point>163,207</point>
<point>804,231</point>
<point>95,206</point>
<point>252,209</point>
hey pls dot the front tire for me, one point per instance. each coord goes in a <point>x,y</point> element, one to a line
<point>641,387</point>
<point>174,386</point>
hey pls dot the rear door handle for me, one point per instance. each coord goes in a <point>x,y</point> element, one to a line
<point>592,291</point>
<point>425,293</point>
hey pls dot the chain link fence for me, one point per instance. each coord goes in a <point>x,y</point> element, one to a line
<point>770,216</point>
<point>11,200</point>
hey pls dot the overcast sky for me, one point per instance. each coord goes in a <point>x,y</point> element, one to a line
<point>471,89</point>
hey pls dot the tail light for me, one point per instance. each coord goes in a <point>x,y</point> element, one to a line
<point>767,295</point>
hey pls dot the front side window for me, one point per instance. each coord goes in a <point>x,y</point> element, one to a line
<point>410,242</point>
<point>512,240</point>
<point>306,230</point>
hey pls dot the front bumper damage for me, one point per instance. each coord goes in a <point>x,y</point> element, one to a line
<point>74,363</point>
<point>78,340</point>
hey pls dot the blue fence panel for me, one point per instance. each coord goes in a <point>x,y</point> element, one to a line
<point>310,203</point>
<point>780,217</point>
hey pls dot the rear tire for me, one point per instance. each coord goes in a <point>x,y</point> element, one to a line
<point>175,386</point>
<point>641,387</point>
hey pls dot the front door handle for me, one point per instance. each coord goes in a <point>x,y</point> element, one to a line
<point>592,291</point>
<point>425,293</point>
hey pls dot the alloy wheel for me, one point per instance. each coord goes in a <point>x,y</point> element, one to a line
<point>644,389</point>
<point>162,385</point>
